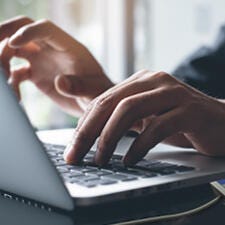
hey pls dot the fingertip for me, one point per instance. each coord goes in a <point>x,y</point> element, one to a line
<point>16,40</point>
<point>103,154</point>
<point>99,160</point>
<point>69,156</point>
<point>13,42</point>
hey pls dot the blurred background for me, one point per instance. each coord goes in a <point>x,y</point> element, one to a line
<point>124,35</point>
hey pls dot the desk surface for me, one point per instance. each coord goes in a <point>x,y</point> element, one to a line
<point>17,213</point>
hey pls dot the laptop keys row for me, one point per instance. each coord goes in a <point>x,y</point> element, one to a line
<point>88,174</point>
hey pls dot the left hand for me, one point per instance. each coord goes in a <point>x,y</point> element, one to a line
<point>58,65</point>
<point>162,105</point>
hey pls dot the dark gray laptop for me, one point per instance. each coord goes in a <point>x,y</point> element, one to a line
<point>38,172</point>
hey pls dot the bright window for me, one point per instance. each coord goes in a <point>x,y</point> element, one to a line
<point>124,35</point>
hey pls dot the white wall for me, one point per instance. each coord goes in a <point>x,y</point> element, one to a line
<point>178,27</point>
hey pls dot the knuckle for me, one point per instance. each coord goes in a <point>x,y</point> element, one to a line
<point>24,31</point>
<point>127,103</point>
<point>104,102</point>
<point>90,106</point>
<point>157,129</point>
<point>161,74</point>
<point>164,77</point>
<point>45,21</point>
<point>48,24</point>
<point>24,18</point>
<point>180,90</point>
<point>140,73</point>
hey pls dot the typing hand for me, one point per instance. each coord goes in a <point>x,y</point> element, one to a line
<point>59,66</point>
<point>165,106</point>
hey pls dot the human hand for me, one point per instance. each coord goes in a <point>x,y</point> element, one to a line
<point>59,66</point>
<point>162,106</point>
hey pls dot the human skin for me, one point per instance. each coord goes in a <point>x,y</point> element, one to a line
<point>161,106</point>
<point>156,105</point>
<point>59,65</point>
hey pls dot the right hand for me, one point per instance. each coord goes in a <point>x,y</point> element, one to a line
<point>59,66</point>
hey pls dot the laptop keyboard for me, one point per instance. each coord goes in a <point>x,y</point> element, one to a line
<point>88,174</point>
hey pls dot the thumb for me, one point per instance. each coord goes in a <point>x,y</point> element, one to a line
<point>74,86</point>
<point>68,85</point>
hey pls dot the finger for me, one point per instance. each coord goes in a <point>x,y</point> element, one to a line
<point>17,77</point>
<point>85,136</point>
<point>43,31</point>
<point>163,126</point>
<point>109,92</point>
<point>7,53</point>
<point>9,27</point>
<point>93,121</point>
<point>27,51</point>
<point>140,81</point>
<point>140,124</point>
<point>127,112</point>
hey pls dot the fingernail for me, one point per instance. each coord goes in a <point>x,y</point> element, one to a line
<point>67,151</point>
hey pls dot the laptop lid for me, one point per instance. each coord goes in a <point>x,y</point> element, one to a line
<point>25,169</point>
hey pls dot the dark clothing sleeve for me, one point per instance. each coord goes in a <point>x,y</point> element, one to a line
<point>205,68</point>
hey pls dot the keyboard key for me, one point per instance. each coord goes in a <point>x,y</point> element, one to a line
<point>89,174</point>
<point>118,166</point>
<point>99,173</point>
<point>89,169</point>
<point>162,165</point>
<point>107,182</point>
<point>62,170</point>
<point>107,170</point>
<point>70,167</point>
<point>52,154</point>
<point>166,172</point>
<point>144,164</point>
<point>116,176</point>
<point>131,178</point>
<point>94,183</point>
<point>91,153</point>
<point>89,184</point>
<point>135,172</point>
<point>117,157</point>
<point>91,177</point>
<point>88,158</point>
<point>149,175</point>
<point>59,163</point>
<point>76,173</point>
<point>77,168</point>
<point>84,178</point>
<point>184,168</point>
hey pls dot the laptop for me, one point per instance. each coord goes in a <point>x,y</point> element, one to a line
<point>36,171</point>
